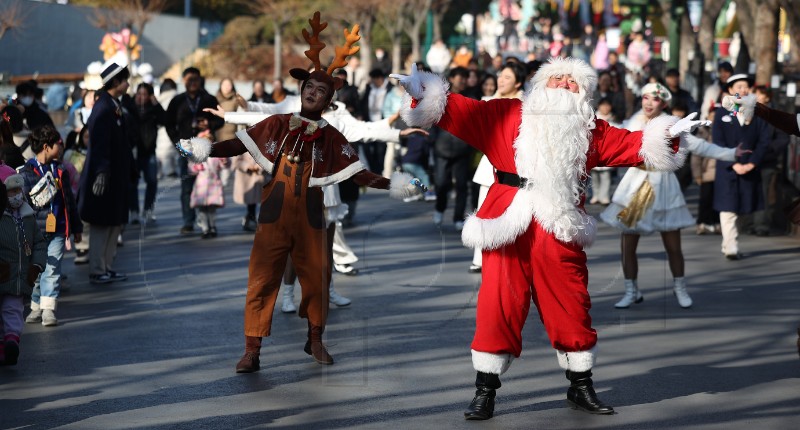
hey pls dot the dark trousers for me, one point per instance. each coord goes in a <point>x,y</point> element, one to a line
<point>148,167</point>
<point>705,207</point>
<point>769,181</point>
<point>375,153</point>
<point>449,170</point>
<point>187,184</point>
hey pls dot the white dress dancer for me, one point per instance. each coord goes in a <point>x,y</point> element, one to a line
<point>649,201</point>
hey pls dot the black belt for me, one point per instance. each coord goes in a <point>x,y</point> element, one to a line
<point>511,179</point>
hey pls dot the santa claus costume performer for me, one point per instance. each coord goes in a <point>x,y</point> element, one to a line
<point>302,153</point>
<point>532,227</point>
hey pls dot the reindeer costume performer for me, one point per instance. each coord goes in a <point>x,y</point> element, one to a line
<point>303,153</point>
<point>532,227</point>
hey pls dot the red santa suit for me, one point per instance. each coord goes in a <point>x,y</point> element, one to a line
<point>532,226</point>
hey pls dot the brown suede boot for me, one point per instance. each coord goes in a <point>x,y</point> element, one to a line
<point>250,362</point>
<point>314,346</point>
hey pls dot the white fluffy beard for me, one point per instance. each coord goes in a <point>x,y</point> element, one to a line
<point>551,151</point>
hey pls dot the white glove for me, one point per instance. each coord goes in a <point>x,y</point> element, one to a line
<point>412,83</point>
<point>99,185</point>
<point>747,105</point>
<point>686,125</point>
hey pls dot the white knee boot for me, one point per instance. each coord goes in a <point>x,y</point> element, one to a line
<point>288,299</point>
<point>336,298</point>
<point>632,295</point>
<point>680,293</point>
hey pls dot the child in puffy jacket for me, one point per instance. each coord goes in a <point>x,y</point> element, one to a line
<point>208,191</point>
<point>23,254</point>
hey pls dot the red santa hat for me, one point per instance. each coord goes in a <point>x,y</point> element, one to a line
<point>582,72</point>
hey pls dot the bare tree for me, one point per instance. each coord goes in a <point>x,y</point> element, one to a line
<point>392,17</point>
<point>12,18</point>
<point>439,8</point>
<point>281,13</point>
<point>417,12</point>
<point>711,11</point>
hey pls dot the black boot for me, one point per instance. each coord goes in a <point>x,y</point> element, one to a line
<point>581,395</point>
<point>482,406</point>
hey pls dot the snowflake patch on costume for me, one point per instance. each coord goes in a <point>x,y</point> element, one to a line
<point>272,147</point>
<point>317,154</point>
<point>348,151</point>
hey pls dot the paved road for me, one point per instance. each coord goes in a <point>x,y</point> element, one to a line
<point>158,351</point>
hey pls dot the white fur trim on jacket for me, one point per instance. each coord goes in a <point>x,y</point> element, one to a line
<point>400,185</point>
<point>656,150</point>
<point>494,233</point>
<point>579,361</point>
<point>584,74</point>
<point>431,105</point>
<point>252,148</point>
<point>201,147</point>
<point>496,364</point>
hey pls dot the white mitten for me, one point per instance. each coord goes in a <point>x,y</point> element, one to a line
<point>412,83</point>
<point>196,149</point>
<point>686,125</point>
<point>746,104</point>
<point>403,185</point>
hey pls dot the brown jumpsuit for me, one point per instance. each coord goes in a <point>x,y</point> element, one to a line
<point>291,222</point>
<point>292,218</point>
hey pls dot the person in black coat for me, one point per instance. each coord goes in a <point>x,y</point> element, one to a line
<point>147,116</point>
<point>103,192</point>
<point>33,114</point>
<point>737,185</point>
<point>181,122</point>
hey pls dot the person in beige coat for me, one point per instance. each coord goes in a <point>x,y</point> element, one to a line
<point>228,99</point>
<point>248,179</point>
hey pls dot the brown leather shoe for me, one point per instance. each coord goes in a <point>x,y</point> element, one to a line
<point>249,363</point>
<point>314,346</point>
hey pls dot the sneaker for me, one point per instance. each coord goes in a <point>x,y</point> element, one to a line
<point>206,235</point>
<point>149,216</point>
<point>119,240</point>
<point>732,257</point>
<point>212,232</point>
<point>115,276</point>
<point>430,196</point>
<point>459,225</point>
<point>413,198</point>
<point>474,268</point>
<point>49,318</point>
<point>437,217</point>
<point>105,278</point>
<point>34,317</point>
<point>187,229</point>
<point>345,269</point>
<point>81,257</point>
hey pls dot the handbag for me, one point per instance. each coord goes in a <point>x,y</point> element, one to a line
<point>43,192</point>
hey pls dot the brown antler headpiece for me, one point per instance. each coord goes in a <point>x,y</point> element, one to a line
<point>316,46</point>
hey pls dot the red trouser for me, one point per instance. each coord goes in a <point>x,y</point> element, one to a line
<point>551,272</point>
